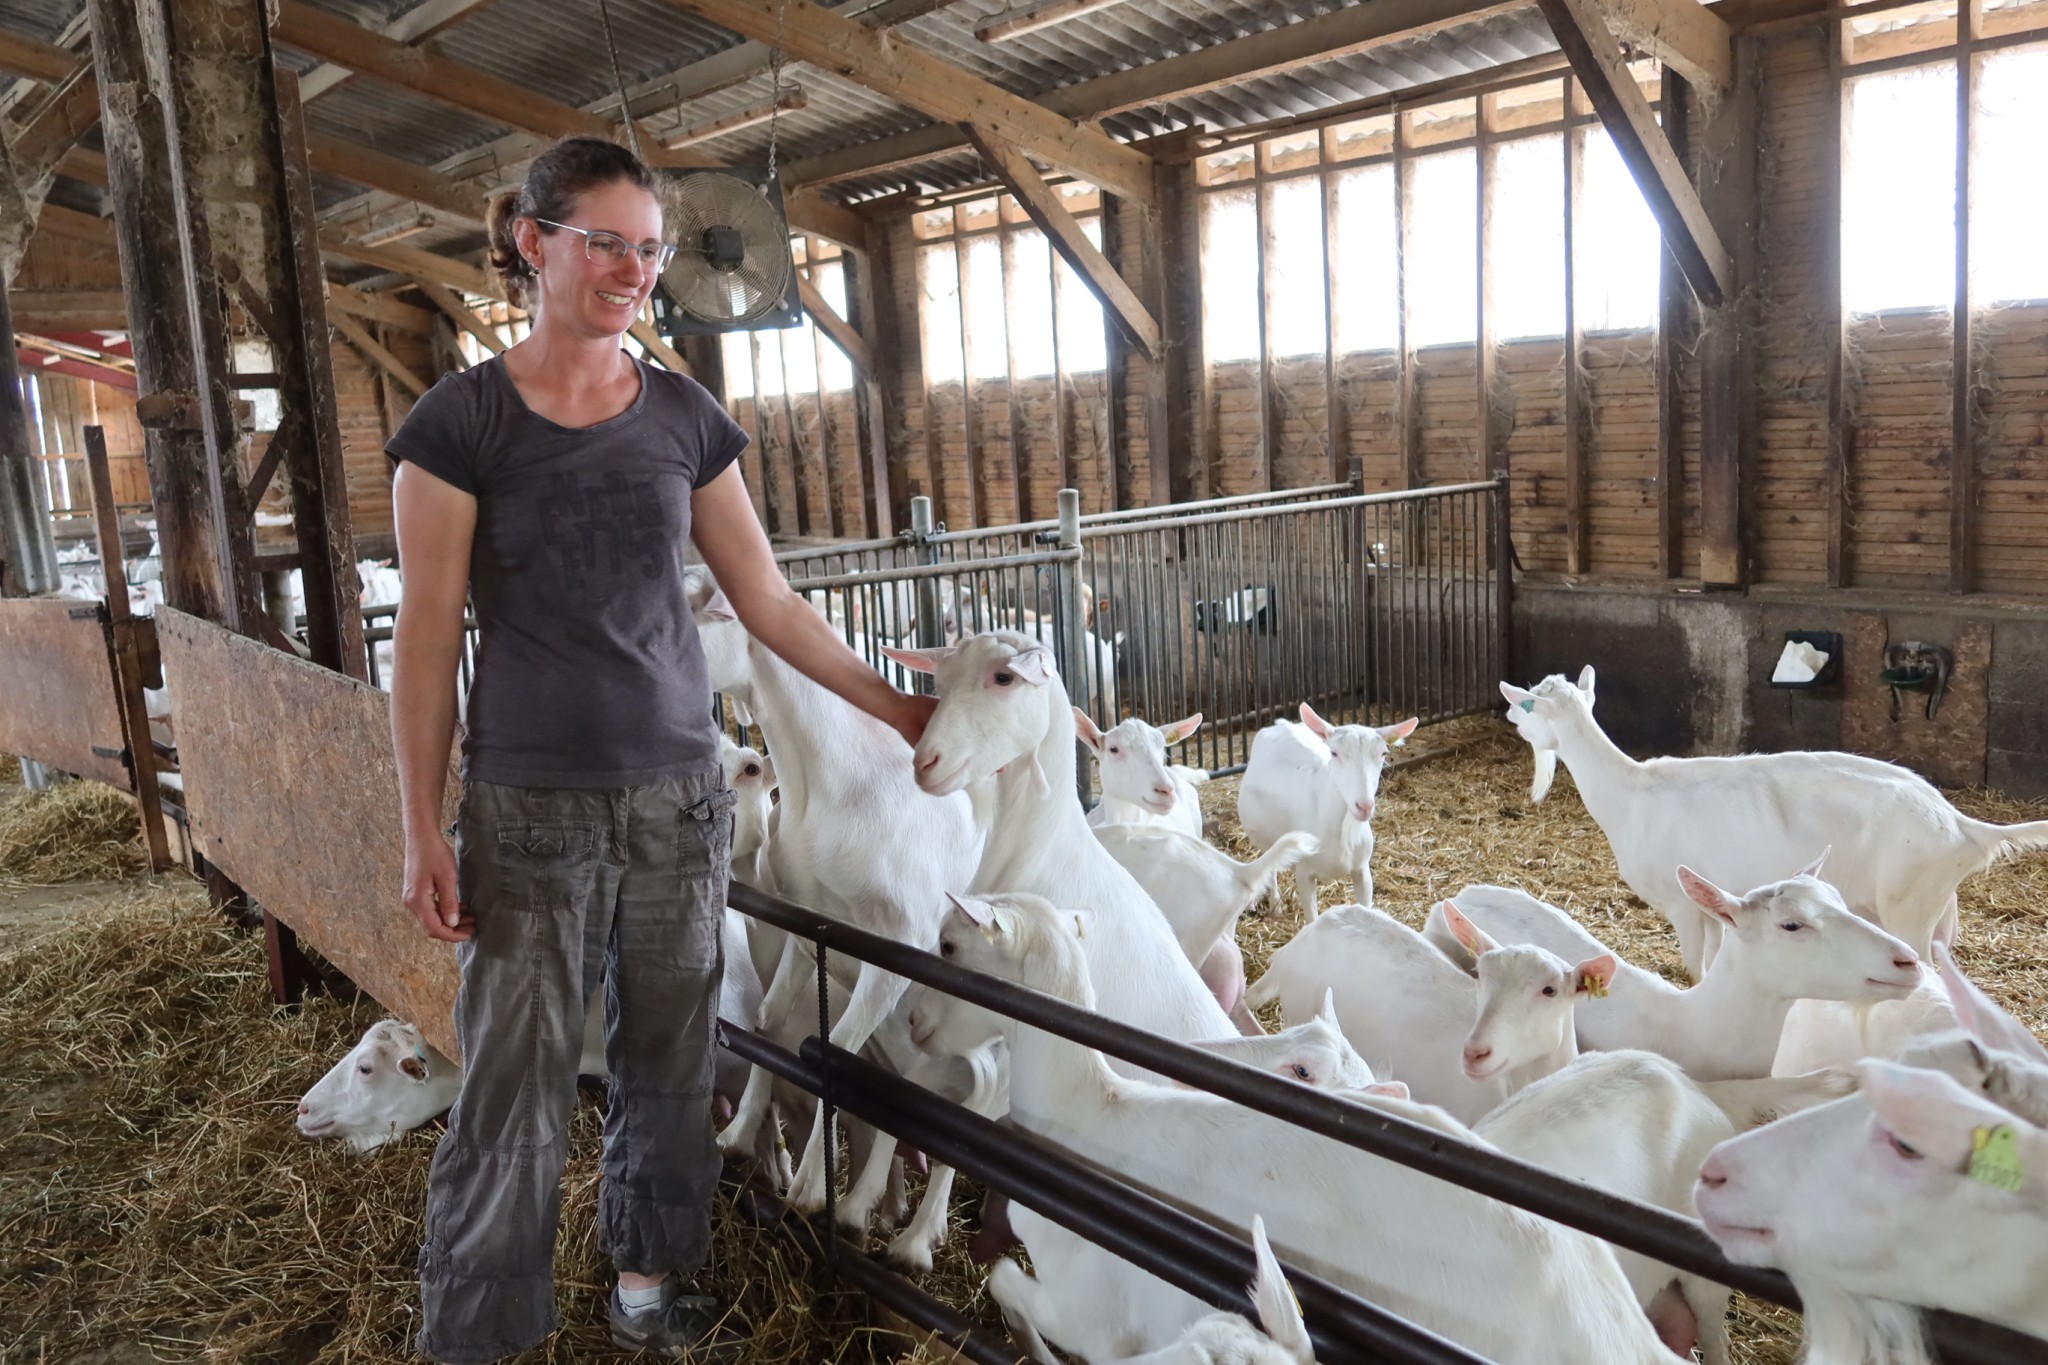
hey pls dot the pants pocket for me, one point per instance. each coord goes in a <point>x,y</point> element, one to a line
<point>704,835</point>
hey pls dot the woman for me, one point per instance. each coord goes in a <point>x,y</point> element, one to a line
<point>555,486</point>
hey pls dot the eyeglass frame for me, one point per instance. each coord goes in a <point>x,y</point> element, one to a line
<point>666,250</point>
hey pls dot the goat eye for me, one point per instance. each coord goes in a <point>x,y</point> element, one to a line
<point>1005,679</point>
<point>1550,990</point>
<point>1300,1072</point>
<point>1791,926</point>
<point>945,948</point>
<point>1904,1149</point>
<point>364,1067</point>
<point>753,770</point>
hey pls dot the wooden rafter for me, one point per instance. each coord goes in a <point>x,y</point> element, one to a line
<point>360,338</point>
<point>366,166</point>
<point>415,26</point>
<point>1063,231</point>
<point>1030,19</point>
<point>1683,34</point>
<point>29,56</point>
<point>850,342</point>
<point>1272,52</point>
<point>643,332</point>
<point>406,260</point>
<point>933,86</point>
<point>1596,59</point>
<point>67,115</point>
<point>461,314</point>
<point>361,303</point>
<point>754,114</point>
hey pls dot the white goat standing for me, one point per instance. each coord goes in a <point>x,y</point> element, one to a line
<point>852,838</point>
<point>1913,1193</point>
<point>1786,941</point>
<point>1499,1281</point>
<point>1900,847</point>
<point>1409,1010</point>
<point>1227,1339</point>
<point>1202,891</point>
<point>1324,779</point>
<point>1139,787</point>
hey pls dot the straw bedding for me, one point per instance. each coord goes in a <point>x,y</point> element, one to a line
<point>155,1199</point>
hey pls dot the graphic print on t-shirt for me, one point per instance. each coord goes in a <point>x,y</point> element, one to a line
<point>603,526</point>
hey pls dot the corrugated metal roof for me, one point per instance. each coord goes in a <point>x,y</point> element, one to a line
<point>45,19</point>
<point>558,49</point>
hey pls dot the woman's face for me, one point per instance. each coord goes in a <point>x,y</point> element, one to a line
<point>594,298</point>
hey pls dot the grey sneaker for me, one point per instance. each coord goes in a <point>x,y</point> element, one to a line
<point>685,1326</point>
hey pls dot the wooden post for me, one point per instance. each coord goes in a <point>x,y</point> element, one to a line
<point>1062,443</point>
<point>1335,436</point>
<point>1020,493</point>
<point>1262,250</point>
<point>1177,410</point>
<point>26,546</point>
<point>124,631</point>
<point>1120,220</point>
<point>1962,482</point>
<point>871,309</point>
<point>1727,158</point>
<point>1486,358</point>
<point>1409,472</point>
<point>1674,314</point>
<point>978,504</point>
<point>182,478</point>
<point>1841,419</point>
<point>1576,555</point>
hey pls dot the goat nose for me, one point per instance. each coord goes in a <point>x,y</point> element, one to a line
<point>1163,791</point>
<point>1477,1054</point>
<point>304,1109</point>
<point>1362,809</point>
<point>1907,962</point>
<point>926,765</point>
<point>1712,1174</point>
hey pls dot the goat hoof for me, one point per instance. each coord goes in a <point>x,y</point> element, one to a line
<point>732,1142</point>
<point>911,1253</point>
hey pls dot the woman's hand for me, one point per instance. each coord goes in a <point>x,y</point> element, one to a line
<point>430,889</point>
<point>912,715</point>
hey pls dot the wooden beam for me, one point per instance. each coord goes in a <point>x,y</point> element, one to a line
<point>1597,61</point>
<point>748,117</point>
<point>1408,438</point>
<point>1575,530</point>
<point>1272,52</point>
<point>1031,18</point>
<point>79,227</point>
<point>408,179</point>
<point>1486,359</point>
<point>416,25</point>
<point>1042,203</point>
<point>56,125</point>
<point>29,56</point>
<point>912,76</point>
<point>1727,158</point>
<point>1263,253</point>
<point>1674,337</point>
<point>1962,473</point>
<point>851,343</point>
<point>83,163</point>
<point>360,338</point>
<point>809,211</point>
<point>643,332</point>
<point>461,314</point>
<point>1833,319</point>
<point>361,303</point>
<point>1683,34</point>
<point>405,260</point>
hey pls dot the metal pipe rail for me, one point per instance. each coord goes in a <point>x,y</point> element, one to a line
<point>1169,509</point>
<point>1208,1262</point>
<point>1654,1232</point>
<point>1435,492</point>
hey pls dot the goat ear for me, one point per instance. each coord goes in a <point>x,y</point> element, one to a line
<point>1586,680</point>
<point>742,714</point>
<point>1393,1090</point>
<point>1034,666</point>
<point>1328,1013</point>
<point>718,607</point>
<point>1594,977</point>
<point>415,1067</point>
<point>975,908</point>
<point>1398,734</point>
<point>1316,724</point>
<point>1930,1111</point>
<point>1475,939</point>
<point>1088,730</point>
<point>1517,696</point>
<point>1707,896</point>
<point>919,660</point>
<point>1182,729</point>
<point>1813,868</point>
<point>1083,919</point>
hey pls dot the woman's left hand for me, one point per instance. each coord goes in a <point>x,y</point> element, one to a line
<point>912,715</point>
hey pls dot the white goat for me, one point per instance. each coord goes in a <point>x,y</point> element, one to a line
<point>1314,1052</point>
<point>1324,779</point>
<point>390,1082</point>
<point>1787,941</point>
<point>1913,1193</point>
<point>1139,787</point>
<point>852,838</point>
<point>1409,1011</point>
<point>1496,1280</point>
<point>1202,891</point>
<point>1227,1339</point>
<point>1900,847</point>
<point>1632,1124</point>
<point>751,775</point>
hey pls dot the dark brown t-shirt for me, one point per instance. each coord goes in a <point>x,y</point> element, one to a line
<point>589,672</point>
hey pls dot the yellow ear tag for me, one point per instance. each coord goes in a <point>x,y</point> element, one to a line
<point>1995,1158</point>
<point>1596,986</point>
<point>1005,921</point>
<point>1080,927</point>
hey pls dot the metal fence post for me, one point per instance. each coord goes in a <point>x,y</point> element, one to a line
<point>1503,577</point>
<point>1073,641</point>
<point>931,627</point>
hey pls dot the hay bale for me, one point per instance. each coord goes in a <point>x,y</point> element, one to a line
<point>73,832</point>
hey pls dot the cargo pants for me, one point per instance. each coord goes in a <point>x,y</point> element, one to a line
<point>571,887</point>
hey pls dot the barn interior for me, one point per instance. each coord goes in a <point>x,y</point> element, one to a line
<point>1368,353</point>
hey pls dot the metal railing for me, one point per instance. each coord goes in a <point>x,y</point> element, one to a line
<point>1370,607</point>
<point>1193,1255</point>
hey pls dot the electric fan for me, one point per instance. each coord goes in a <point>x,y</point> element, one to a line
<point>732,269</point>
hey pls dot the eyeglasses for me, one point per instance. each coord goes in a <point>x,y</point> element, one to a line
<point>609,249</point>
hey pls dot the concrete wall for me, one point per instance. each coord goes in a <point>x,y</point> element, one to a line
<point>1688,672</point>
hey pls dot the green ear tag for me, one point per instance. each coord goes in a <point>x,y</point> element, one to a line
<point>1995,1158</point>
<point>1528,703</point>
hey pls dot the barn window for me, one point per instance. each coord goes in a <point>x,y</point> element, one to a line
<point>1615,240</point>
<point>1528,255</point>
<point>2010,196</point>
<point>1230,275</point>
<point>1899,189</point>
<point>794,357</point>
<point>1363,274</point>
<point>1443,248</point>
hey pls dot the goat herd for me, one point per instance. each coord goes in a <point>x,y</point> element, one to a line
<point>1831,1096</point>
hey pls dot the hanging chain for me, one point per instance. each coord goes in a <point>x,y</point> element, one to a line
<point>775,85</point>
<point>604,14</point>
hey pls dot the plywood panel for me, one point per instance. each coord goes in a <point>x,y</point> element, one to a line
<point>293,792</point>
<point>58,701</point>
